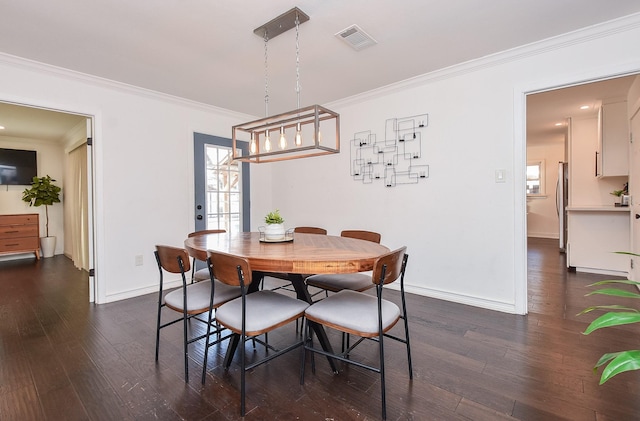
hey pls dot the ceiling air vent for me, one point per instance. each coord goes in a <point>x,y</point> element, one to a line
<point>356,37</point>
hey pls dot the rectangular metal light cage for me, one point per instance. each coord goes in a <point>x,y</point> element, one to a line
<point>319,129</point>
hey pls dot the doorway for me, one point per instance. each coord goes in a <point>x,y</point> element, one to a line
<point>551,115</point>
<point>60,140</point>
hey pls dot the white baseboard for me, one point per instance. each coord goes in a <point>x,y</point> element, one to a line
<point>550,235</point>
<point>459,298</point>
<point>110,298</point>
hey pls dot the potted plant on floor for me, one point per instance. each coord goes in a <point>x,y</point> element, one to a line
<point>275,226</point>
<point>617,315</point>
<point>43,192</point>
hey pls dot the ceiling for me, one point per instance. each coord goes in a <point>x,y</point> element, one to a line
<point>206,51</point>
<point>547,112</point>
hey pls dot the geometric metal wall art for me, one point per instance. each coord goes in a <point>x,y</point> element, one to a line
<point>398,159</point>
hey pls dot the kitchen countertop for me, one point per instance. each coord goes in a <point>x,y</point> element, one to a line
<point>598,208</point>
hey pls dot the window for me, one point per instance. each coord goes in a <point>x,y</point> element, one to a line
<point>535,178</point>
<point>223,190</point>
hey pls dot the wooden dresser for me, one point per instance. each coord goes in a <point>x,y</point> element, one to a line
<point>20,234</point>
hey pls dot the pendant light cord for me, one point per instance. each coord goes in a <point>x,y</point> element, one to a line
<point>297,61</point>
<point>266,75</point>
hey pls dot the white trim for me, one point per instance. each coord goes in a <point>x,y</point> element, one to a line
<point>73,75</point>
<point>500,306</point>
<point>166,285</point>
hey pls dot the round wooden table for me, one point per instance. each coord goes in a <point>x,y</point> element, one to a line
<point>305,254</point>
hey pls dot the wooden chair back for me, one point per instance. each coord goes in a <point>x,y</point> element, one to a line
<point>170,259</point>
<point>374,237</point>
<point>225,269</point>
<point>392,264</point>
<point>201,255</point>
<point>203,232</point>
<point>310,230</point>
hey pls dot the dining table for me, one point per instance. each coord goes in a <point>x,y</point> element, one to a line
<point>297,255</point>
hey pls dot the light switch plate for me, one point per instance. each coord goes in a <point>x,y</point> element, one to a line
<point>500,176</point>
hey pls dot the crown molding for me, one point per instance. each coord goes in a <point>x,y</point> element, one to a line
<point>72,75</point>
<point>579,36</point>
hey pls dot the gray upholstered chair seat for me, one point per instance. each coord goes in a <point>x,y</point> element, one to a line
<point>260,314</point>
<point>199,295</point>
<point>201,275</point>
<point>354,311</point>
<point>339,281</point>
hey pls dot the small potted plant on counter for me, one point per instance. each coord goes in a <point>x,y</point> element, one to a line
<point>43,192</point>
<point>275,226</point>
<point>623,195</point>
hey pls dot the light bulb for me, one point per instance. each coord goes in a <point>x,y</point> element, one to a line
<point>298,135</point>
<point>267,141</point>
<point>252,144</point>
<point>283,140</point>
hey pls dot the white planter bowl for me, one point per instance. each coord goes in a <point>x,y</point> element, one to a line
<point>274,232</point>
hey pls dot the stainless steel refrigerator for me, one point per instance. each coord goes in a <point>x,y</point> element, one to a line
<point>562,200</point>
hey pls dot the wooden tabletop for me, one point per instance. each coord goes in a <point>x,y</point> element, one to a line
<point>307,253</point>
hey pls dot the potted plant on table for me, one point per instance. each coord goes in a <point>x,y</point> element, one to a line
<point>43,192</point>
<point>275,226</point>
<point>617,315</point>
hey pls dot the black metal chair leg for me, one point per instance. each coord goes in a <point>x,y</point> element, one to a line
<point>186,349</point>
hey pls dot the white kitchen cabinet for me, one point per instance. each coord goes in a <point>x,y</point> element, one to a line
<point>595,234</point>
<point>612,156</point>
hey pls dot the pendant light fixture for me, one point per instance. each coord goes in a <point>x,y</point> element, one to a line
<point>315,130</point>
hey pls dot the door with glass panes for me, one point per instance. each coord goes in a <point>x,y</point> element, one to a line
<point>221,186</point>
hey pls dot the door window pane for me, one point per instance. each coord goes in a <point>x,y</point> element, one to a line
<point>223,195</point>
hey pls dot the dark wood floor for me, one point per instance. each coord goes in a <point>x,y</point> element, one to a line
<point>62,358</point>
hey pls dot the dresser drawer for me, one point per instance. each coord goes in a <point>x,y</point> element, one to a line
<point>26,219</point>
<point>17,231</point>
<point>18,244</point>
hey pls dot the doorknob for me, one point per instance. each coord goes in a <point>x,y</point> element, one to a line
<point>199,217</point>
<point>637,216</point>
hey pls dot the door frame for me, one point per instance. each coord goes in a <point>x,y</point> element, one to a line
<point>95,286</point>
<point>199,140</point>
<point>520,93</point>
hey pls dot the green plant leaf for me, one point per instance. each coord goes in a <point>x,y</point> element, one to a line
<point>615,292</point>
<point>612,319</point>
<point>620,362</point>
<point>627,252</point>
<point>611,307</point>
<point>614,281</point>
<point>273,217</point>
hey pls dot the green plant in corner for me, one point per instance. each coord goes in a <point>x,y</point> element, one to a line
<point>617,315</point>
<point>273,218</point>
<point>42,192</point>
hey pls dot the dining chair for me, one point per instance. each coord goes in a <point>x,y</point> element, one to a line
<point>310,230</point>
<point>252,314</point>
<point>190,300</point>
<point>364,315</point>
<point>351,281</point>
<point>201,274</point>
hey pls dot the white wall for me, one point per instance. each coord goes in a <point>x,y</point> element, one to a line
<point>542,215</point>
<point>143,164</point>
<point>50,162</point>
<point>465,233</point>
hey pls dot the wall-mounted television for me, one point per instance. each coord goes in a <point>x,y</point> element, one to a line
<point>17,166</point>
